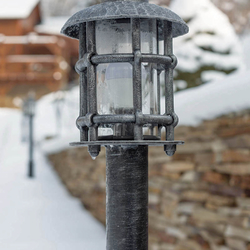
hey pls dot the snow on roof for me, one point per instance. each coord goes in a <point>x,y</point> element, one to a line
<point>15,9</point>
<point>211,100</point>
<point>51,25</point>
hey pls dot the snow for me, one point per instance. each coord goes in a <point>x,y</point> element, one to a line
<point>245,40</point>
<point>180,84</point>
<point>211,100</point>
<point>51,25</point>
<point>39,213</point>
<point>12,9</point>
<point>211,40</point>
<point>63,7</point>
<point>57,114</point>
<point>210,75</point>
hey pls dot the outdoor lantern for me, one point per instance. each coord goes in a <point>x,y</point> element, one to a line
<point>29,105</point>
<point>29,113</point>
<point>125,46</point>
<point>125,51</point>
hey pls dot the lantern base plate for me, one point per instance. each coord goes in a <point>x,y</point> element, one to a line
<point>126,143</point>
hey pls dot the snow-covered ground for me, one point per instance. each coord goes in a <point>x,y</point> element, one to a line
<point>38,214</point>
<point>211,100</point>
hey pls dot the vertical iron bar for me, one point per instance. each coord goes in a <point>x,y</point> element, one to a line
<point>92,97</point>
<point>169,87</point>
<point>127,198</point>
<point>151,83</point>
<point>83,81</point>
<point>137,74</point>
<point>169,90</point>
<point>158,76</point>
<point>151,86</point>
<point>158,71</point>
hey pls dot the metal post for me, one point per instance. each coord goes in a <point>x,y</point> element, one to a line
<point>127,198</point>
<point>31,144</point>
<point>127,164</point>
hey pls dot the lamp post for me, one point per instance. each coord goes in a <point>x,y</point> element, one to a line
<point>124,47</point>
<point>29,112</point>
<point>58,103</point>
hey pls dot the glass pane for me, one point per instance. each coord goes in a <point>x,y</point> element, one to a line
<point>113,36</point>
<point>115,88</point>
<point>148,36</point>
<point>115,80</point>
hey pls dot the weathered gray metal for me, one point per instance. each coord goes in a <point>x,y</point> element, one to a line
<point>127,198</point>
<point>83,82</point>
<point>127,143</point>
<point>123,9</point>
<point>162,61</point>
<point>139,118</point>
<point>82,26</point>
<point>127,166</point>
<point>89,120</point>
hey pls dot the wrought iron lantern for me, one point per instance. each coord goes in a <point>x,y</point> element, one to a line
<point>125,51</point>
<point>29,105</point>
<point>29,113</point>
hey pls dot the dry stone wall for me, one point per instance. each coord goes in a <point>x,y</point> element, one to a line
<point>198,199</point>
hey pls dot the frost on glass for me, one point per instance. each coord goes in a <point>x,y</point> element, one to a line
<point>115,80</point>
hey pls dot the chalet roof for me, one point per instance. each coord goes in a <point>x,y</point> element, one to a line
<point>16,9</point>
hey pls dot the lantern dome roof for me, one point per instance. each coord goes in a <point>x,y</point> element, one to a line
<point>120,10</point>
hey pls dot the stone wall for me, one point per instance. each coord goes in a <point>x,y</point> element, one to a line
<point>198,199</point>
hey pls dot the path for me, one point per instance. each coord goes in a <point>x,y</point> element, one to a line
<point>38,214</point>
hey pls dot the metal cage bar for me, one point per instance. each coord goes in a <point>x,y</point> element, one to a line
<point>91,72</point>
<point>169,91</point>
<point>158,75</point>
<point>89,120</point>
<point>161,60</point>
<point>151,83</point>
<point>141,119</point>
<point>83,82</point>
<point>92,97</point>
<point>137,74</point>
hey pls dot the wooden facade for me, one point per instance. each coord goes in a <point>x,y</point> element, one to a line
<point>37,63</point>
<point>18,26</point>
<point>30,61</point>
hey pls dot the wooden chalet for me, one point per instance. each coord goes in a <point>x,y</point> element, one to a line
<point>28,60</point>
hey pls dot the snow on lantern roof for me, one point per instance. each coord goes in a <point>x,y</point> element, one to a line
<point>16,9</point>
<point>123,9</point>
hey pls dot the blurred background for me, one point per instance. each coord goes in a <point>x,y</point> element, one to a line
<point>198,199</point>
